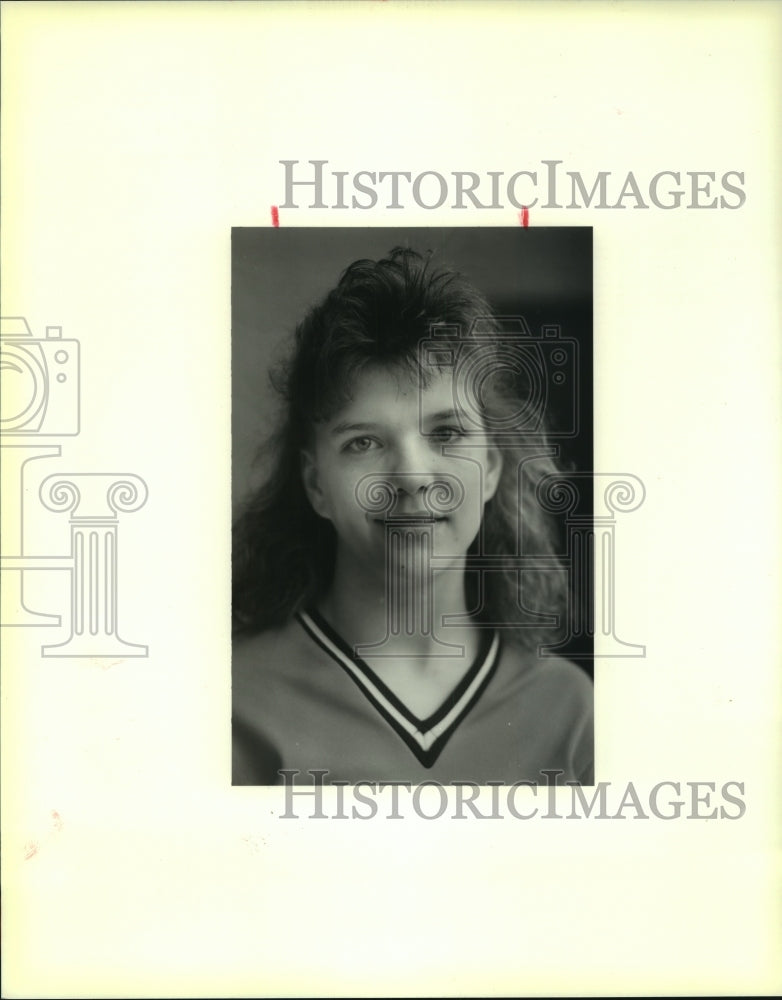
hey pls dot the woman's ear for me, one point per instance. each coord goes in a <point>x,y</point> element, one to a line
<point>311,481</point>
<point>492,472</point>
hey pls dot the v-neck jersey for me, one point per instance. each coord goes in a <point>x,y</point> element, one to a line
<point>427,737</point>
<point>303,700</point>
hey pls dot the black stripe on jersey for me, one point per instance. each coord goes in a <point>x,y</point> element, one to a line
<point>418,734</point>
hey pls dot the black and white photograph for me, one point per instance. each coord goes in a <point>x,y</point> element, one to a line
<point>390,552</point>
<point>400,580</point>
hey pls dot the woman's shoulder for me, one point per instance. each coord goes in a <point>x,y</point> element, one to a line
<point>247,641</point>
<point>259,654</point>
<point>553,674</point>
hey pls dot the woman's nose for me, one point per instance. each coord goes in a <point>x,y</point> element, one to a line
<point>422,481</point>
<point>413,463</point>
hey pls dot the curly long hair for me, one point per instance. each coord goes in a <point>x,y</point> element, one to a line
<point>379,313</point>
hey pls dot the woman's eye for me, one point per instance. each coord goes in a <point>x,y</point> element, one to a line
<point>444,435</point>
<point>359,445</point>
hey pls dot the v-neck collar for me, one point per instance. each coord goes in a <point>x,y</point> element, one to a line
<point>427,737</point>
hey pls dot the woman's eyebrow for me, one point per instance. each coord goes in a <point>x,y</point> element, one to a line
<point>347,427</point>
<point>451,414</point>
<point>344,428</point>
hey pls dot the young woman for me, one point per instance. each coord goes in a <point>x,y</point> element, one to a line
<point>380,632</point>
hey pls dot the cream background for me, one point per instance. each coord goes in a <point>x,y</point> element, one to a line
<point>134,136</point>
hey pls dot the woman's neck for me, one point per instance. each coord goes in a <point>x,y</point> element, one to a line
<point>407,613</point>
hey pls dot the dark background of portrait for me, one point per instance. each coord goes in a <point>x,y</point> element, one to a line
<point>544,275</point>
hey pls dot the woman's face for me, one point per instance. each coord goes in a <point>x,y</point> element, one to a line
<point>408,438</point>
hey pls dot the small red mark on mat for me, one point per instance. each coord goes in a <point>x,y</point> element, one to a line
<point>275,216</point>
<point>30,850</point>
<point>56,820</point>
<point>524,216</point>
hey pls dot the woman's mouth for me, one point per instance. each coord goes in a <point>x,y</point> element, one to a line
<point>422,518</point>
